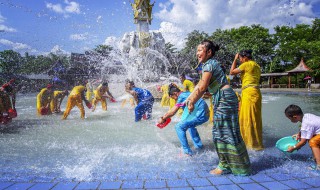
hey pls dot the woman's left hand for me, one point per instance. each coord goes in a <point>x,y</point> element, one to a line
<point>190,105</point>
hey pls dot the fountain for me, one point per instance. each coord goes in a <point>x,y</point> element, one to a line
<point>144,49</point>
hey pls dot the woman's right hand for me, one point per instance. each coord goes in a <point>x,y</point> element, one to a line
<point>160,120</point>
<point>236,56</point>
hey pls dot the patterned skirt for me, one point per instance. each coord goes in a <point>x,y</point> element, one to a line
<point>232,152</point>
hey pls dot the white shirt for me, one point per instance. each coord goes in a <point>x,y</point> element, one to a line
<point>310,126</point>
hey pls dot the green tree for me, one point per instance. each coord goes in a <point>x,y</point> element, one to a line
<point>10,61</point>
<point>256,38</point>
<point>295,43</point>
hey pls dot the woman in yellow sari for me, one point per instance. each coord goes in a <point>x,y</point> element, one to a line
<point>250,118</point>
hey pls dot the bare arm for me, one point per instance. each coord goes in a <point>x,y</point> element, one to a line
<point>83,96</point>
<point>134,94</point>
<point>109,94</point>
<point>234,70</point>
<point>199,90</point>
<point>13,100</point>
<point>169,114</point>
<point>298,145</point>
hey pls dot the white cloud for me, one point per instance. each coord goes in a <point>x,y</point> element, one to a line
<point>58,50</point>
<point>79,37</point>
<point>72,7</point>
<point>180,17</point>
<point>68,7</point>
<point>20,47</point>
<point>4,28</point>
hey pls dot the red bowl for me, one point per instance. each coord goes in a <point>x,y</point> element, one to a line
<point>44,111</point>
<point>12,113</point>
<point>162,125</point>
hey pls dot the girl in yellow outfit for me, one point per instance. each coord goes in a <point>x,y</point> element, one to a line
<point>100,95</point>
<point>250,118</point>
<point>165,100</point>
<point>187,84</point>
<point>77,95</point>
<point>44,98</point>
<point>55,104</point>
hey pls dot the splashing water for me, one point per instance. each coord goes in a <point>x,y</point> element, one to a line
<point>110,143</point>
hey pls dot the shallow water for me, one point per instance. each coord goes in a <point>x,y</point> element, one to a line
<point>109,143</point>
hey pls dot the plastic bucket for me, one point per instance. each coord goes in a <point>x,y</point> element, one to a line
<point>284,143</point>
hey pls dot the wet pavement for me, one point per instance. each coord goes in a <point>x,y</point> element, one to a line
<point>183,180</point>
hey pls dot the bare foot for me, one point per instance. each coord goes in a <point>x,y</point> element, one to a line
<point>216,171</point>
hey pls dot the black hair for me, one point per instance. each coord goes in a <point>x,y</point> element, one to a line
<point>173,88</point>
<point>8,88</point>
<point>223,67</point>
<point>66,92</point>
<point>210,46</point>
<point>293,110</point>
<point>105,84</point>
<point>129,82</point>
<point>246,53</point>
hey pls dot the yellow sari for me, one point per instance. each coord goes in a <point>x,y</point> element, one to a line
<point>250,117</point>
<point>165,100</point>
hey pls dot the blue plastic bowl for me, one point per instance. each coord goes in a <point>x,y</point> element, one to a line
<point>283,143</point>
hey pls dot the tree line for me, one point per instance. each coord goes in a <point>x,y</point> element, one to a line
<point>278,51</point>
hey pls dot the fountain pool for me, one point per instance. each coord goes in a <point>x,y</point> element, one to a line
<point>108,145</point>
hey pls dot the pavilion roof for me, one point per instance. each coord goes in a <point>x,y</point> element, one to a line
<point>273,74</point>
<point>301,68</point>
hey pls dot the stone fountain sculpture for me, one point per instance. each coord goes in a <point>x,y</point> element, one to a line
<point>146,48</point>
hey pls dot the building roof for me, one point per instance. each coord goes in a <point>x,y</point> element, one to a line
<point>273,74</point>
<point>301,68</point>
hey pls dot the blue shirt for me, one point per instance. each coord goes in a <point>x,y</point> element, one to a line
<point>200,106</point>
<point>143,94</point>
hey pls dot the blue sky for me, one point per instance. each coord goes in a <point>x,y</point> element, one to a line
<point>39,27</point>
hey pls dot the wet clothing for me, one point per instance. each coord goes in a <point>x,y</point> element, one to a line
<point>99,97</point>
<point>165,100</point>
<point>310,126</point>
<point>202,116</point>
<point>75,99</point>
<point>5,102</point>
<point>144,104</point>
<point>250,117</point>
<point>57,99</point>
<point>232,152</point>
<point>44,98</point>
<point>188,85</point>
<point>89,91</point>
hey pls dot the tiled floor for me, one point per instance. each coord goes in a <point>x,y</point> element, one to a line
<point>167,180</point>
